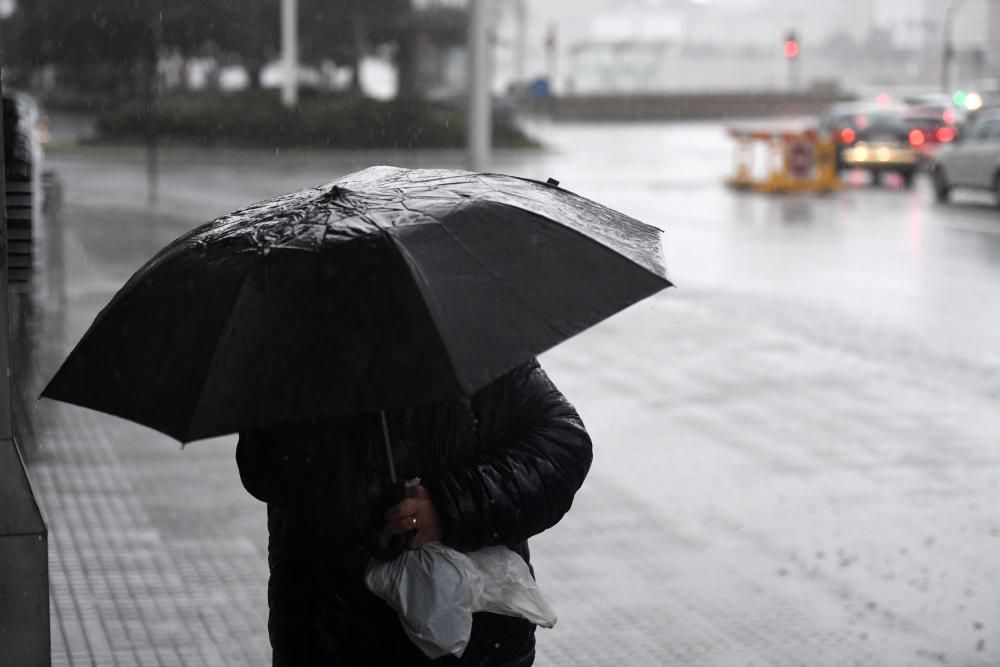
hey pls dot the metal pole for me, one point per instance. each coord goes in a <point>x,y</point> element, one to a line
<point>6,427</point>
<point>290,52</point>
<point>793,74</point>
<point>947,51</point>
<point>152,100</point>
<point>521,43</point>
<point>551,55</point>
<point>479,115</point>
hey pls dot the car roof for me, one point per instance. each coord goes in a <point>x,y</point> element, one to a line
<point>850,107</point>
<point>864,107</point>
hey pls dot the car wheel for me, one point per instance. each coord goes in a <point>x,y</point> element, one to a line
<point>876,178</point>
<point>908,177</point>
<point>941,188</point>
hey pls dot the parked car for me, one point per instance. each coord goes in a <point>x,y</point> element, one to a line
<point>973,161</point>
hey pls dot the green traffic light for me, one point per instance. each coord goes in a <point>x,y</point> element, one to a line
<point>958,98</point>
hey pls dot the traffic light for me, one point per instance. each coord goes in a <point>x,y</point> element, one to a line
<point>791,47</point>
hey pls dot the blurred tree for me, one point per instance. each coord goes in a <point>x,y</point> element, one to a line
<point>123,35</point>
<point>121,39</point>
<point>247,29</point>
<point>115,33</point>
<point>346,31</point>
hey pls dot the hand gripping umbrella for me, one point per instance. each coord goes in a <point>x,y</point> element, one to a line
<point>385,289</point>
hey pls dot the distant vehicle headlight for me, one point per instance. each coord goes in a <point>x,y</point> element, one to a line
<point>973,101</point>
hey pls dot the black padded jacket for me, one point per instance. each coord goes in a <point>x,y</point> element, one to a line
<point>501,466</point>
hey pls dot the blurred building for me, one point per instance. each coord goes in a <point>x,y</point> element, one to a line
<point>616,46</point>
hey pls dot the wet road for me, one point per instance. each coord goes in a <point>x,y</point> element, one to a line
<point>797,450</point>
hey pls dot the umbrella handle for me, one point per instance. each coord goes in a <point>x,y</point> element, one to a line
<point>384,545</point>
<point>388,448</point>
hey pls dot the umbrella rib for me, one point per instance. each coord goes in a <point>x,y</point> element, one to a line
<point>415,268</point>
<point>215,349</point>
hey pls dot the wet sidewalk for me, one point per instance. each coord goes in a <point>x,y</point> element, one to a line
<point>774,484</point>
<point>158,555</point>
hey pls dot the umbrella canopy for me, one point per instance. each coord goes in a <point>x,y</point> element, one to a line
<point>387,288</point>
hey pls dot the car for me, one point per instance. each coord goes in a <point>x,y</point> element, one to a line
<point>878,142</point>
<point>853,126</point>
<point>972,161</point>
<point>937,103</point>
<point>928,132</point>
<point>839,122</point>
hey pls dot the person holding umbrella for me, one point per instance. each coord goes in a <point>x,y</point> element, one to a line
<point>386,321</point>
<point>496,469</point>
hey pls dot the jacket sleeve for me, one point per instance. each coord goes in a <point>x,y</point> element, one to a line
<point>535,458</point>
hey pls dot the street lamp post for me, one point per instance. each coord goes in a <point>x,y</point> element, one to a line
<point>521,45</point>
<point>478,108</point>
<point>792,51</point>
<point>290,52</point>
<point>948,51</point>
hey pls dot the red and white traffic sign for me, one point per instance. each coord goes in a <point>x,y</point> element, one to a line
<point>801,159</point>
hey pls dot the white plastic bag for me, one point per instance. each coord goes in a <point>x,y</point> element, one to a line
<point>436,589</point>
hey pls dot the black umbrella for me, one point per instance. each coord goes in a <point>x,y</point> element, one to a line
<point>387,288</point>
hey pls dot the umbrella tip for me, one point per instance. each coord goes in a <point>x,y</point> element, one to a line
<point>553,182</point>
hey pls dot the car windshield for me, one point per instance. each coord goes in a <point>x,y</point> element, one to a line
<point>840,120</point>
<point>876,122</point>
<point>923,122</point>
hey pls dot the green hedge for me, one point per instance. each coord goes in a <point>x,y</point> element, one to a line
<point>338,121</point>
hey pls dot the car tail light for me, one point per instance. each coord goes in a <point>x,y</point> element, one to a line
<point>943,134</point>
<point>916,138</point>
<point>948,116</point>
<point>847,135</point>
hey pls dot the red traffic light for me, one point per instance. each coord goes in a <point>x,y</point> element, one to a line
<point>945,134</point>
<point>791,49</point>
